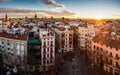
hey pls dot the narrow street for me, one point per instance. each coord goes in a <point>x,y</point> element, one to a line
<point>79,65</point>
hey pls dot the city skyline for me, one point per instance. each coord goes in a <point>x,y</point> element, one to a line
<point>95,9</point>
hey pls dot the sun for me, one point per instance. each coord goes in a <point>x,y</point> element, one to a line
<point>99,17</point>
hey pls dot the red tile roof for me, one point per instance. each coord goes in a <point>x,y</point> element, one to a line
<point>12,36</point>
<point>59,28</point>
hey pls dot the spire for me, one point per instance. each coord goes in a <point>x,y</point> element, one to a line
<point>6,18</point>
<point>35,16</point>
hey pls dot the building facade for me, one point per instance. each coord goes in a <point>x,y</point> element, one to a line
<point>13,49</point>
<point>83,33</point>
<point>47,39</point>
<point>63,37</point>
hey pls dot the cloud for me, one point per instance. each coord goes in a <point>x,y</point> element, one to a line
<point>52,3</point>
<point>2,1</point>
<point>117,15</point>
<point>62,13</point>
<point>16,10</point>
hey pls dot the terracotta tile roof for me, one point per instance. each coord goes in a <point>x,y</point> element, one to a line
<point>107,40</point>
<point>41,27</point>
<point>12,36</point>
<point>59,28</point>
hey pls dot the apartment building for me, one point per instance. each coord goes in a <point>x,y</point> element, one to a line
<point>47,39</point>
<point>106,58</point>
<point>13,48</point>
<point>3,26</point>
<point>63,37</point>
<point>104,51</point>
<point>83,33</point>
<point>33,52</point>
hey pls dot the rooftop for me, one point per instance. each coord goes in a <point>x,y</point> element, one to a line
<point>33,40</point>
<point>12,36</point>
<point>61,27</point>
<point>108,40</point>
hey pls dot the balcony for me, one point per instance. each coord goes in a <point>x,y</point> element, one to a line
<point>117,58</point>
<point>51,45</point>
<point>117,69</point>
<point>110,56</point>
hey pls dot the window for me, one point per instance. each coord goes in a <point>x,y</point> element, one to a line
<point>63,42</point>
<point>110,53</point>
<point>70,42</point>
<point>117,65</point>
<point>22,53</point>
<point>2,42</point>
<point>8,48</point>
<point>8,44</point>
<point>63,35</point>
<point>43,61</point>
<point>97,48</point>
<point>51,43</point>
<point>51,61</point>
<point>2,46</point>
<point>94,46</point>
<point>117,57</point>
<point>48,43</point>
<point>47,61</point>
<point>101,48</point>
<point>70,39</point>
<point>116,48</point>
<point>51,50</point>
<point>110,61</point>
<point>18,47</point>
<point>47,49</point>
<point>44,50</point>
<point>51,55</point>
<point>70,35</point>
<point>18,52</point>
<point>44,57</point>
<point>22,48</point>
<point>106,51</point>
<point>47,55</point>
<point>47,34</point>
<point>44,35</point>
<point>44,43</point>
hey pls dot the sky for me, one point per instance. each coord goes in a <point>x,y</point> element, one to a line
<point>96,9</point>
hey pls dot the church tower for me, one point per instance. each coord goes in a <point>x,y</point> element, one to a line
<point>35,16</point>
<point>6,18</point>
<point>7,22</point>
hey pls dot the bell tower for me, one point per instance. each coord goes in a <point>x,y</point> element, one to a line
<point>6,18</point>
<point>35,16</point>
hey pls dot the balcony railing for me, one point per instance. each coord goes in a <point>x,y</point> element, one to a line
<point>117,58</point>
<point>110,56</point>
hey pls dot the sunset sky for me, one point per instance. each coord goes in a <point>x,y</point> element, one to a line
<point>97,9</point>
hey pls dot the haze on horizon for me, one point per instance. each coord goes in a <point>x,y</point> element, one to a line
<point>96,9</point>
